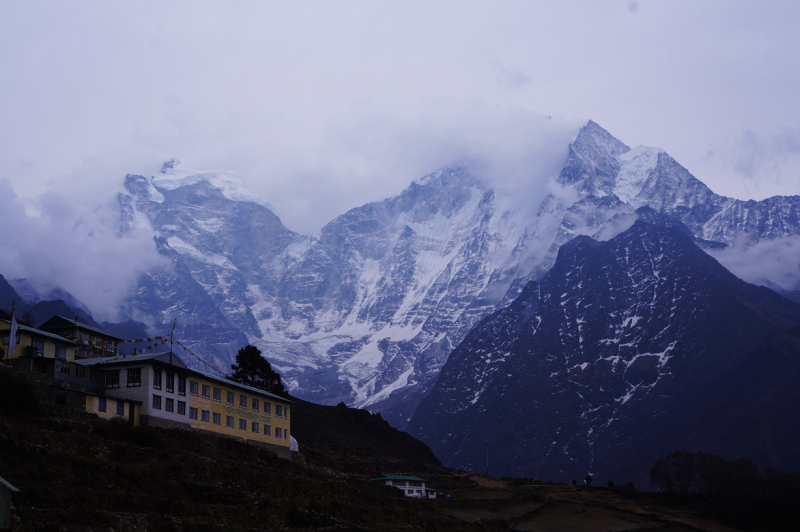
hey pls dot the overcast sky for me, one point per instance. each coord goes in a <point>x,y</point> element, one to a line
<point>323,106</point>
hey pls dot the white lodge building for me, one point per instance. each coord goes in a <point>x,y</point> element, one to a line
<point>171,395</point>
<point>410,485</point>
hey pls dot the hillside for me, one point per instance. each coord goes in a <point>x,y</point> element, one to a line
<point>77,473</point>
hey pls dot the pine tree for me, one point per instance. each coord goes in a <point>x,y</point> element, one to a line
<point>254,370</point>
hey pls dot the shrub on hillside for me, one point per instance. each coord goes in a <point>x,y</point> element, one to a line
<point>736,491</point>
<point>17,395</point>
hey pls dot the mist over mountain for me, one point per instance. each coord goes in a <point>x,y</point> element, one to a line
<point>368,311</point>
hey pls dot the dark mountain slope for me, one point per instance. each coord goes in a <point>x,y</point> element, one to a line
<point>593,369</point>
<point>8,295</point>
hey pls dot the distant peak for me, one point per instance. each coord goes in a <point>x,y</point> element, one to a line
<point>169,165</point>
<point>593,133</point>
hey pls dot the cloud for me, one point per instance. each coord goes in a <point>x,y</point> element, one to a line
<point>513,79</point>
<point>53,241</point>
<point>768,262</point>
<point>771,155</point>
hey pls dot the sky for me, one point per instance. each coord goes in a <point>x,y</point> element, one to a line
<point>323,106</point>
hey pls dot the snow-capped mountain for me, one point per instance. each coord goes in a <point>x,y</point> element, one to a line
<point>625,351</point>
<point>368,311</point>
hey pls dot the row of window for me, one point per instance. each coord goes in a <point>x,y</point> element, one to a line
<point>216,419</point>
<point>135,380</point>
<point>80,371</point>
<point>230,397</point>
<point>169,405</point>
<point>169,382</point>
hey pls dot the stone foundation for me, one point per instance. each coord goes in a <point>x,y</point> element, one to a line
<point>152,421</point>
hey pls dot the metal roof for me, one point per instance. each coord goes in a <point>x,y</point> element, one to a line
<point>397,477</point>
<point>149,356</point>
<point>33,330</point>
<point>75,323</point>
<point>7,484</point>
<point>121,359</point>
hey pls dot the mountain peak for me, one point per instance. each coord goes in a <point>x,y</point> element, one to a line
<point>169,165</point>
<point>593,134</point>
<point>174,175</point>
<point>593,162</point>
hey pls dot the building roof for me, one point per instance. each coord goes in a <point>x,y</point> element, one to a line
<point>132,359</point>
<point>33,330</point>
<point>7,484</point>
<point>163,357</point>
<point>397,477</point>
<point>60,322</point>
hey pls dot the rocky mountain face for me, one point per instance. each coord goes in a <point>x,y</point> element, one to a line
<point>368,312</point>
<point>624,351</point>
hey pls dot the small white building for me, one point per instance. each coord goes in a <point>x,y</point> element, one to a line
<point>410,485</point>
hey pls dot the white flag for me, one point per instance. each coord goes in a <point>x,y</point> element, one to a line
<point>12,337</point>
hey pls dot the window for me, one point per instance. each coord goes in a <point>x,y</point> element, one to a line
<point>267,407</point>
<point>229,421</point>
<point>112,378</point>
<point>181,385</point>
<point>101,404</point>
<point>6,338</point>
<point>192,388</point>
<point>278,411</point>
<point>217,419</point>
<point>255,427</point>
<point>182,408</point>
<point>94,374</point>
<point>192,412</point>
<point>204,415</point>
<point>278,432</point>
<point>80,371</point>
<point>61,352</point>
<point>242,424</point>
<point>38,347</point>
<point>243,402</point>
<point>255,405</point>
<point>267,430</point>
<point>157,379</point>
<point>134,377</point>
<point>206,391</point>
<point>157,402</point>
<point>169,404</point>
<point>120,408</point>
<point>230,398</point>
<point>217,395</point>
<point>170,382</point>
<point>65,367</point>
<point>285,412</point>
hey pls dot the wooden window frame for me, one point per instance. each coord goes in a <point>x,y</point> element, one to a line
<point>133,382</point>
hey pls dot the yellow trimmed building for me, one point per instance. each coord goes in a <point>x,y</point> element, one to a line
<point>158,389</point>
<point>234,409</point>
<point>30,342</point>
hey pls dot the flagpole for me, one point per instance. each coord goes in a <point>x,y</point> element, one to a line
<point>12,334</point>
<point>171,339</point>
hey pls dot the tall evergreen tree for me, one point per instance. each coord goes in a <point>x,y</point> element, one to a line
<point>254,370</point>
